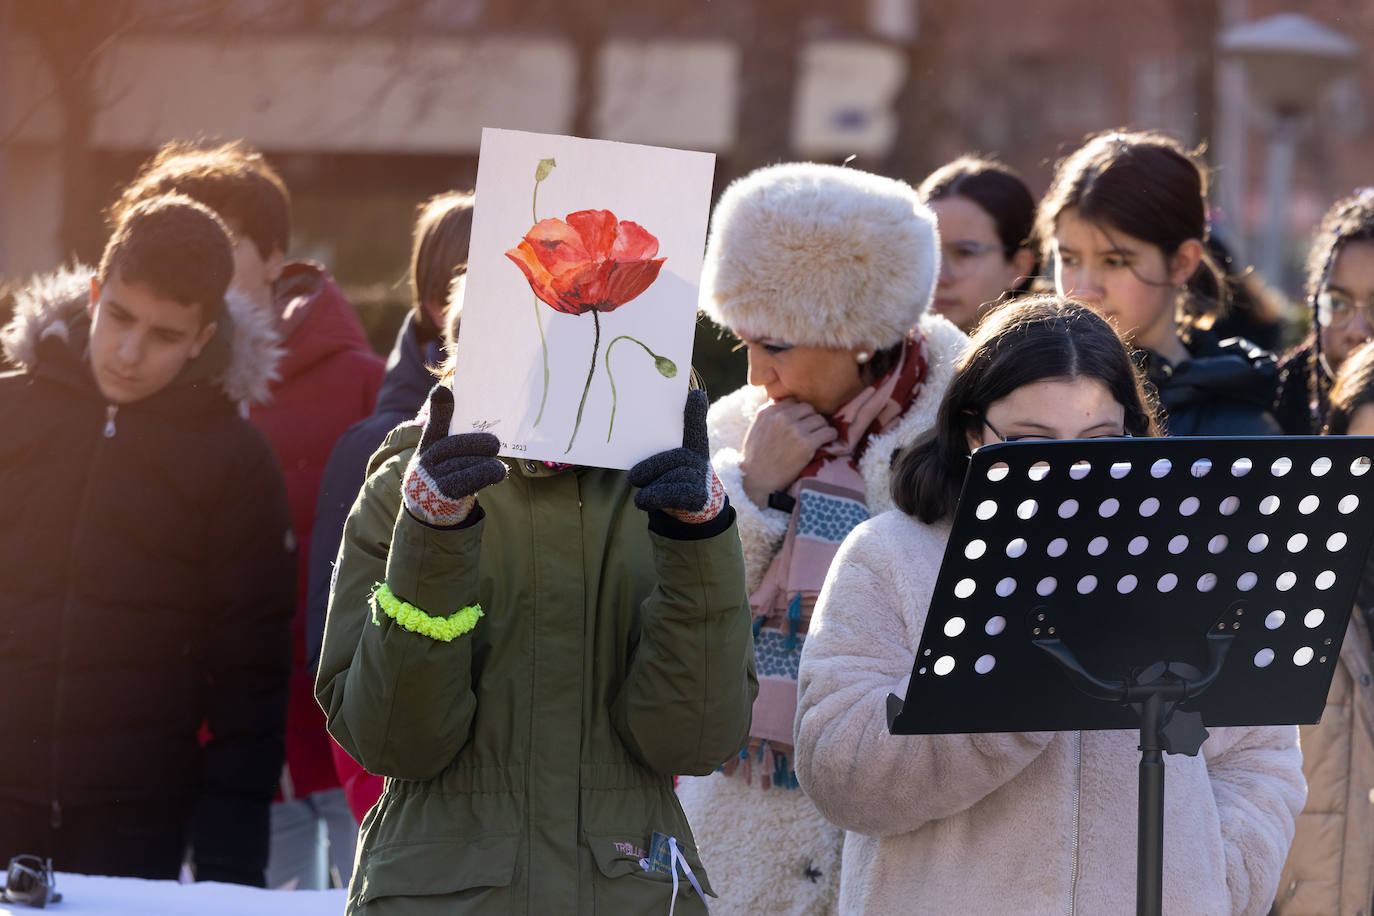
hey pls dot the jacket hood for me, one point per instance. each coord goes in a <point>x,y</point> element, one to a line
<point>408,379</point>
<point>1233,369</point>
<point>241,359</point>
<point>317,320</point>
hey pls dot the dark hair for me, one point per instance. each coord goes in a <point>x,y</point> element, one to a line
<point>998,191</point>
<point>1026,340</point>
<point>1253,309</point>
<point>1353,389</point>
<point>1141,183</point>
<point>232,179</point>
<point>439,248</point>
<point>1350,219</point>
<point>177,248</point>
<point>882,362</point>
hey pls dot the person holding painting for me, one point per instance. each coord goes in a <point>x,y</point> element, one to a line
<point>529,652</point>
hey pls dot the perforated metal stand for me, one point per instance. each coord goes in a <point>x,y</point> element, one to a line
<point>1157,584</point>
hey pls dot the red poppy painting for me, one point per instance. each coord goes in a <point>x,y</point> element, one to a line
<point>579,302</point>
<point>588,261</point>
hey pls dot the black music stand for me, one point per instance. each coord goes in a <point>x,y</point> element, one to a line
<point>1157,584</point>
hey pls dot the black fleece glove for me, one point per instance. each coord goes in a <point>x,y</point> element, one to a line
<point>680,481</point>
<point>445,472</point>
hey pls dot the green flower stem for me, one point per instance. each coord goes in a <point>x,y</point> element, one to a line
<point>545,347</point>
<point>666,367</point>
<point>596,343</point>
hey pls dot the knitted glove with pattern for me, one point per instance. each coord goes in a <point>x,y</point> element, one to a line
<point>681,481</point>
<point>446,471</point>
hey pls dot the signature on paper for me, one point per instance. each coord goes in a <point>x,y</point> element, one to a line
<point>483,425</point>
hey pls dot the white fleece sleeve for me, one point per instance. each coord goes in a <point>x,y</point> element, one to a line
<point>1256,776</point>
<point>860,647</point>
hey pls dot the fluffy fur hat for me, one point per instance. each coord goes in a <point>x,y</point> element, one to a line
<point>820,255</point>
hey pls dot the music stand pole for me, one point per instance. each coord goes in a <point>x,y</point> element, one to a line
<point>1149,899</point>
<point>1154,694</point>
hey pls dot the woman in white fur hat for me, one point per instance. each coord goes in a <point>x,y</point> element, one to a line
<point>825,274</point>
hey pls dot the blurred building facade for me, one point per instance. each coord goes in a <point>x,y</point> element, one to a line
<point>370,105</point>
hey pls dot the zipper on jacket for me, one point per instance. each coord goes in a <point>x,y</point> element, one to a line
<point>83,505</point>
<point>1077,791</point>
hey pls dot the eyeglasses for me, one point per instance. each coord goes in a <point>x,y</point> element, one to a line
<point>959,256</point>
<point>30,882</point>
<point>1124,434</point>
<point>1336,310</point>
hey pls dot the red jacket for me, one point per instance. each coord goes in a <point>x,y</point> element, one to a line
<point>329,381</point>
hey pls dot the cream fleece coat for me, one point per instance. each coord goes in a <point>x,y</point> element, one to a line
<point>1010,823</point>
<point>769,851</point>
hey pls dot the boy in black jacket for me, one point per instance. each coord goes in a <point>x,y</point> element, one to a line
<point>149,560</point>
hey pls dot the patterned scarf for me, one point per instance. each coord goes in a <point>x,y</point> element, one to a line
<point>831,500</point>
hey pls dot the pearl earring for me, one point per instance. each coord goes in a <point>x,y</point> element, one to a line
<point>862,357</point>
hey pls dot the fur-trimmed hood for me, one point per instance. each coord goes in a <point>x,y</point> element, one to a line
<point>241,358</point>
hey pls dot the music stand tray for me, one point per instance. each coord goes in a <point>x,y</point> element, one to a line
<point>1152,584</point>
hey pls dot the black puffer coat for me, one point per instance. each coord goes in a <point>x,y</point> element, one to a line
<point>1225,389</point>
<point>149,564</point>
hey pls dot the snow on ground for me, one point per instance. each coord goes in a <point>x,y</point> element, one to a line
<point>89,895</point>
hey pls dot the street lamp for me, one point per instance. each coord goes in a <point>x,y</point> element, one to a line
<point>1288,59</point>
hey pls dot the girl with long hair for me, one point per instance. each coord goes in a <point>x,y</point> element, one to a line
<point>1340,294</point>
<point>1124,225</point>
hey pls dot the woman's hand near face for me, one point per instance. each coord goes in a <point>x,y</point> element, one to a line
<point>779,445</point>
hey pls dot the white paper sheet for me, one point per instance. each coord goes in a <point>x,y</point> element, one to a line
<point>630,404</point>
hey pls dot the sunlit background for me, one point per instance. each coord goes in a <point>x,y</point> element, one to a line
<point>369,106</point>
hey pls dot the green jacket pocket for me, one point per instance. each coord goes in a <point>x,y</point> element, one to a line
<point>617,856</point>
<point>441,866</point>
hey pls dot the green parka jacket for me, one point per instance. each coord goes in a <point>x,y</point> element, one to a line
<point>529,761</point>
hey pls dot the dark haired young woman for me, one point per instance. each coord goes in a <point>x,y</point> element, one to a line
<point>1124,223</point>
<point>1330,868</point>
<point>1340,291</point>
<point>1036,822</point>
<point>986,215</point>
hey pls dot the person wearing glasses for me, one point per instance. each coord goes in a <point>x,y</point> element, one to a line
<point>1037,822</point>
<point>1340,292</point>
<point>986,216</point>
<point>825,275</point>
<point>1124,224</point>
